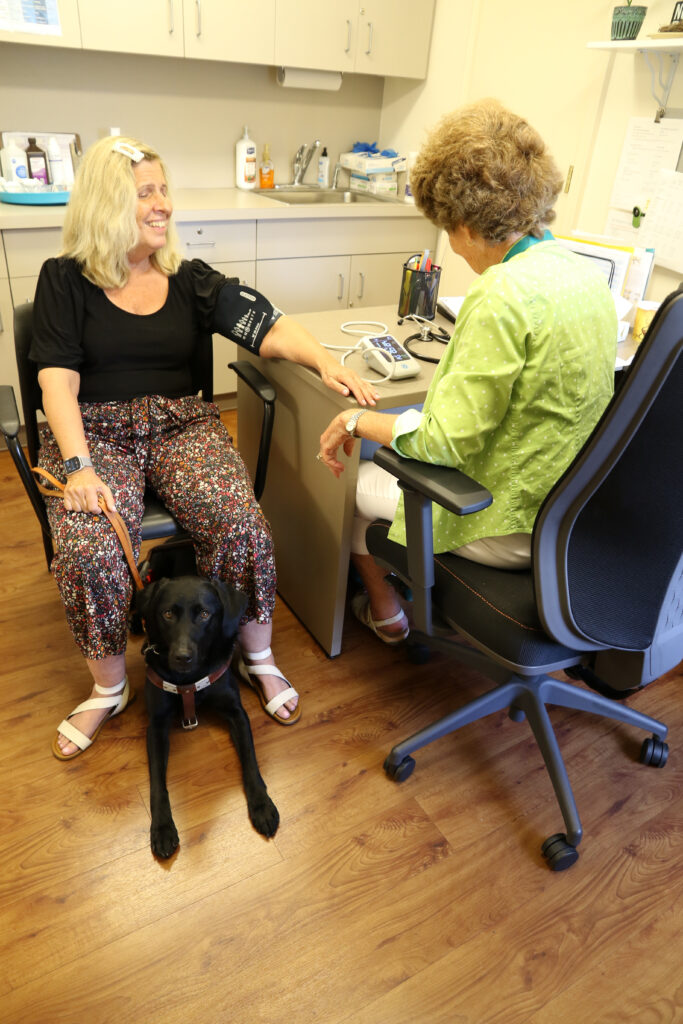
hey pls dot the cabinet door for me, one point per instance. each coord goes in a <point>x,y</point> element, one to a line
<point>316,34</point>
<point>394,37</point>
<point>128,26</point>
<point>8,361</point>
<point>62,29</point>
<point>305,285</point>
<point>230,30</point>
<point>376,279</point>
<point>224,351</point>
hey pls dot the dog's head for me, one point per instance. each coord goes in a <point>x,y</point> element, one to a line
<point>191,623</point>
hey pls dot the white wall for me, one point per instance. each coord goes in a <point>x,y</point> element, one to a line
<point>533,56</point>
<point>192,111</point>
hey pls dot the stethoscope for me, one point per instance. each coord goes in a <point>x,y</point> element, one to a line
<point>428,332</point>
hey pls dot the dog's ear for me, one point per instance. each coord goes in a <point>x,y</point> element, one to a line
<point>144,599</point>
<point>234,605</point>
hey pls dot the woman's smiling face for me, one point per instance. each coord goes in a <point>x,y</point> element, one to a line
<point>154,208</point>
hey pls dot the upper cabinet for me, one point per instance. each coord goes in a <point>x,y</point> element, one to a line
<point>230,30</point>
<point>128,26</point>
<point>61,26</point>
<point>380,37</point>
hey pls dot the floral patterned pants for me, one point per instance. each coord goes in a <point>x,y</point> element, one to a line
<point>180,447</point>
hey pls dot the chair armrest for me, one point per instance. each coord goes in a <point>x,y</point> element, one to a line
<point>252,376</point>
<point>264,390</point>
<point>447,487</point>
<point>9,414</point>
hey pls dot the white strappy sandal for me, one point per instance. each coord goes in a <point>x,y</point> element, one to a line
<point>270,707</point>
<point>117,700</point>
<point>360,606</point>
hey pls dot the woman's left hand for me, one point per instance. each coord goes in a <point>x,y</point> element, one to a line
<point>334,437</point>
<point>346,381</point>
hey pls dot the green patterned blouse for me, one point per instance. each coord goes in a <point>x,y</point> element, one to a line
<point>523,380</point>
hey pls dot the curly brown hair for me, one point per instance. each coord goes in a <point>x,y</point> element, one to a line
<point>486,168</point>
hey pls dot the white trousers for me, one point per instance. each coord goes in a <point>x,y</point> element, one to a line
<point>377,494</point>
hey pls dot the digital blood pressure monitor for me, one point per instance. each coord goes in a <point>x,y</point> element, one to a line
<point>386,355</point>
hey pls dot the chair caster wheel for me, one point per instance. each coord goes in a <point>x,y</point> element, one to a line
<point>559,853</point>
<point>654,752</point>
<point>401,771</point>
<point>418,654</point>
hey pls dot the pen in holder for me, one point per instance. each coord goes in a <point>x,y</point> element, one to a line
<point>419,289</point>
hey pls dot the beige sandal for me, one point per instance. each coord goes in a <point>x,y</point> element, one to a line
<point>117,700</point>
<point>270,707</point>
<point>360,606</point>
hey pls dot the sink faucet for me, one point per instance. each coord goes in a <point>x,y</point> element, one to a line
<point>302,159</point>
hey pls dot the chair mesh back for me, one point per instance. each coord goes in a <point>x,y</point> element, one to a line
<point>31,395</point>
<point>628,538</point>
<point>608,540</point>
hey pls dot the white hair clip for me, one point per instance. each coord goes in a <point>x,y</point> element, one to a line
<point>134,154</point>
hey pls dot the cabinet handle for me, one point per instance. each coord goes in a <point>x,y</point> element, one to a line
<point>198,10</point>
<point>204,245</point>
<point>347,48</point>
<point>361,284</point>
<point>171,19</point>
<point>340,296</point>
<point>2,326</point>
<point>369,49</point>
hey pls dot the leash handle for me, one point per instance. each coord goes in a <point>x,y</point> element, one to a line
<point>56,488</point>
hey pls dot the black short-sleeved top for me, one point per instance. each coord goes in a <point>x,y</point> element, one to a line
<point>122,355</point>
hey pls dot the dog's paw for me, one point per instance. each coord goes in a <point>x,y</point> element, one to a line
<point>164,839</point>
<point>264,815</point>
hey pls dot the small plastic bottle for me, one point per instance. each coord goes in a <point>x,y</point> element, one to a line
<point>324,169</point>
<point>245,161</point>
<point>54,155</point>
<point>266,171</point>
<point>37,162</point>
<point>14,162</point>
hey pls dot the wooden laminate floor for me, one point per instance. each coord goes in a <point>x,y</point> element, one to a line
<point>376,903</point>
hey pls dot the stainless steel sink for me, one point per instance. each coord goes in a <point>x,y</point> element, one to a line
<point>315,196</point>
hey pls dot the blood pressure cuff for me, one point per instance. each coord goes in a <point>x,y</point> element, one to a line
<point>244,315</point>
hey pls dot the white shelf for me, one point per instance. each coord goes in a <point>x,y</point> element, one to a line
<point>673,45</point>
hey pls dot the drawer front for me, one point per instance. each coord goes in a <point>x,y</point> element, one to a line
<point>28,249</point>
<point>218,242</point>
<point>286,239</point>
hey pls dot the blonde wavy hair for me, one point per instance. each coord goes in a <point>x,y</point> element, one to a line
<point>100,228</point>
<point>484,167</point>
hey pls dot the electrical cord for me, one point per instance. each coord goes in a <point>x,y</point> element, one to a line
<point>351,327</point>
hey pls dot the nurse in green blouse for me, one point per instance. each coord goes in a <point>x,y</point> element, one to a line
<point>529,368</point>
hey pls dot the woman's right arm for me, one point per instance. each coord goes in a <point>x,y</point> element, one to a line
<point>60,404</point>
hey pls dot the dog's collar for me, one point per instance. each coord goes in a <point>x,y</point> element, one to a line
<point>188,690</point>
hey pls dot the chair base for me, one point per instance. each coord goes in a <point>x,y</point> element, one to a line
<point>527,698</point>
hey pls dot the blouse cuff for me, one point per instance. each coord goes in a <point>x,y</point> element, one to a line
<point>406,423</point>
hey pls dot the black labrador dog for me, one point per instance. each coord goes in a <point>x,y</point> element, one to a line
<point>191,624</point>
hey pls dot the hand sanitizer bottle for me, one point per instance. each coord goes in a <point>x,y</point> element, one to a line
<point>324,169</point>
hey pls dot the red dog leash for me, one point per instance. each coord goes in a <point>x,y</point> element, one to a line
<point>114,518</point>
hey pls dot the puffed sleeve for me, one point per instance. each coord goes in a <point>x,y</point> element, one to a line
<point>58,316</point>
<point>234,310</point>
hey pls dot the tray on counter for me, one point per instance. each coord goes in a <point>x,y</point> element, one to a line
<point>35,198</point>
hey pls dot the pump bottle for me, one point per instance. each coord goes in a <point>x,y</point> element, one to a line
<point>324,169</point>
<point>245,161</point>
<point>266,171</point>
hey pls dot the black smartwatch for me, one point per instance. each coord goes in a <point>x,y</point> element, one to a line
<point>77,462</point>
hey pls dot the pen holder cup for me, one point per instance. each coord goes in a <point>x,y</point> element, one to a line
<point>419,290</point>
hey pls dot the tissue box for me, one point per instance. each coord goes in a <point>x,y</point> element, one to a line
<point>367,163</point>
<point>376,184</point>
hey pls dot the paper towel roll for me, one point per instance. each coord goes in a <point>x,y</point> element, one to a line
<point>307,78</point>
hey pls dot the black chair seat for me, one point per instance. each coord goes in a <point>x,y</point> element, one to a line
<point>497,609</point>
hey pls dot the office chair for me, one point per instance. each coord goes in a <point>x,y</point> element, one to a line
<point>603,599</point>
<point>157,522</point>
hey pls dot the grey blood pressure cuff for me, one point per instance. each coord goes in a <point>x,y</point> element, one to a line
<point>244,315</point>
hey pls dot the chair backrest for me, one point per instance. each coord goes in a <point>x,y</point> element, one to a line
<point>31,395</point>
<point>608,540</point>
